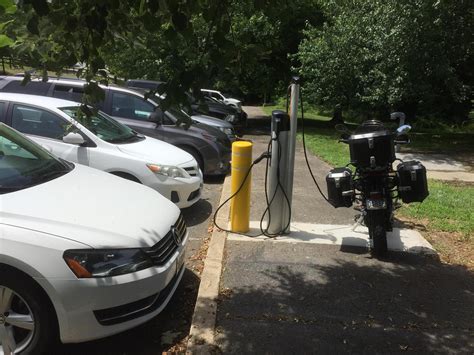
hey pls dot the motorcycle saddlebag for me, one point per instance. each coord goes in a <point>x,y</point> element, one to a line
<point>375,146</point>
<point>339,180</point>
<point>412,182</point>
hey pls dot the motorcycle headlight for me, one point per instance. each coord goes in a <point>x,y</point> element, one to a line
<point>90,263</point>
<point>168,170</point>
<point>227,131</point>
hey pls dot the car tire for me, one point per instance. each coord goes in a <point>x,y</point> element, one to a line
<point>22,295</point>
<point>195,155</point>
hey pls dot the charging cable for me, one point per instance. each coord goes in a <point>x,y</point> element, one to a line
<point>304,149</point>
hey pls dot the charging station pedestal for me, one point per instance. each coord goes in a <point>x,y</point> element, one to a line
<point>282,164</point>
<point>278,204</point>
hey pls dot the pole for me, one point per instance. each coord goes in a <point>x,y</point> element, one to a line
<point>240,204</point>
<point>294,97</point>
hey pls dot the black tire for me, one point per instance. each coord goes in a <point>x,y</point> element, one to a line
<point>195,155</point>
<point>29,297</point>
<point>376,223</point>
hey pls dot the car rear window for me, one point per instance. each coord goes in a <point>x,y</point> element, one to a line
<point>32,88</point>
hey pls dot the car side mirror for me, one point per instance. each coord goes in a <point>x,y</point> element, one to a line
<point>73,138</point>
<point>156,117</point>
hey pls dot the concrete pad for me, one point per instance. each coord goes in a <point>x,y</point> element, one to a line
<point>438,162</point>
<point>406,240</point>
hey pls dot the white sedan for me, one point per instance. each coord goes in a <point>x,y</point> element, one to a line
<point>98,141</point>
<point>82,252</point>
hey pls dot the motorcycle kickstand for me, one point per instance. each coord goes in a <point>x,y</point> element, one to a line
<point>358,221</point>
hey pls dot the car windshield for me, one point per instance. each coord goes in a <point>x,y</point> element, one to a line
<point>103,126</point>
<point>24,163</point>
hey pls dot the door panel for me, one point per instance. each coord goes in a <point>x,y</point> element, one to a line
<point>47,129</point>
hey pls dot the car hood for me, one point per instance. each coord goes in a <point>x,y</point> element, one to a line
<point>232,101</point>
<point>154,151</point>
<point>93,208</point>
<point>211,121</point>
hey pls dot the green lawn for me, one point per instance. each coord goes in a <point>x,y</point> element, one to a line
<point>448,208</point>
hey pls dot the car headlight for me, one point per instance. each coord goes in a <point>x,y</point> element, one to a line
<point>231,118</point>
<point>89,263</point>
<point>227,131</point>
<point>168,170</point>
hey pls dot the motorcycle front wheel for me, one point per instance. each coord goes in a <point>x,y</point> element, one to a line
<point>375,221</point>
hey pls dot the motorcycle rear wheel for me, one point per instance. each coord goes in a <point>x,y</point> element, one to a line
<point>376,221</point>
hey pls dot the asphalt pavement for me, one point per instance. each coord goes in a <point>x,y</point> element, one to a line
<point>296,297</point>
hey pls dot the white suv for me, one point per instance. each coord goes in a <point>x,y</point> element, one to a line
<point>218,96</point>
<point>103,143</point>
<point>82,252</point>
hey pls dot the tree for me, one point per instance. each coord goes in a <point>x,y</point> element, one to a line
<point>409,55</point>
<point>51,35</point>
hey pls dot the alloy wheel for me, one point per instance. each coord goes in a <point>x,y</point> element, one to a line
<point>17,323</point>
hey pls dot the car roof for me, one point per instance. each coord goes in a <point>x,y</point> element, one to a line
<point>49,102</point>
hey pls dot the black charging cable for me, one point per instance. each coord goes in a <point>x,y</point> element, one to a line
<point>269,201</point>
<point>304,149</point>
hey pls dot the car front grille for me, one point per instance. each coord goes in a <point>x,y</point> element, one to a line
<point>133,310</point>
<point>194,194</point>
<point>162,251</point>
<point>193,170</point>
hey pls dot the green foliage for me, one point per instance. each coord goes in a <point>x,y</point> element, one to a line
<point>377,56</point>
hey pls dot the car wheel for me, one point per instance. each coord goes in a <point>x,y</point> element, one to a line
<point>195,155</point>
<point>27,325</point>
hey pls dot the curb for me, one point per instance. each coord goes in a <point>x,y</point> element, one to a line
<point>201,335</point>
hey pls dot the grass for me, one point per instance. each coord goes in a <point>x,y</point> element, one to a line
<point>448,208</point>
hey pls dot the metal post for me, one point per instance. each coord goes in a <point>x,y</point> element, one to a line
<point>240,204</point>
<point>294,97</point>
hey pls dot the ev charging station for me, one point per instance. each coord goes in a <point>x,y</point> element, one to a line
<point>282,163</point>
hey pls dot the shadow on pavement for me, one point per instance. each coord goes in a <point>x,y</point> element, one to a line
<point>197,213</point>
<point>406,303</point>
<point>157,335</point>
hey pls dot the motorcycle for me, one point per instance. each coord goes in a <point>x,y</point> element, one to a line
<point>375,187</point>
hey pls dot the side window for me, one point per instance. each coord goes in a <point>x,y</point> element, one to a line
<point>129,106</point>
<point>32,88</point>
<point>32,120</point>
<point>68,93</point>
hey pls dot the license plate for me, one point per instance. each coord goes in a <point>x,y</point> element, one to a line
<point>379,204</point>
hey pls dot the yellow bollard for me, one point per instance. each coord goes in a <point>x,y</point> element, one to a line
<point>240,204</point>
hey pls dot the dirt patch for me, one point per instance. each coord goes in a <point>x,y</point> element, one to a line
<point>453,248</point>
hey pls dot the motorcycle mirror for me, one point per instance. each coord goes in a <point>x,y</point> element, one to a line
<point>342,128</point>
<point>403,129</point>
<point>397,115</point>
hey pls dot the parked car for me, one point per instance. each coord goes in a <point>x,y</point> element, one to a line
<point>224,126</point>
<point>210,147</point>
<point>208,106</point>
<point>103,143</point>
<point>217,95</point>
<point>84,254</point>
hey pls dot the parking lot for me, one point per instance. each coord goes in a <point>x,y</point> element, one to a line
<point>168,330</point>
